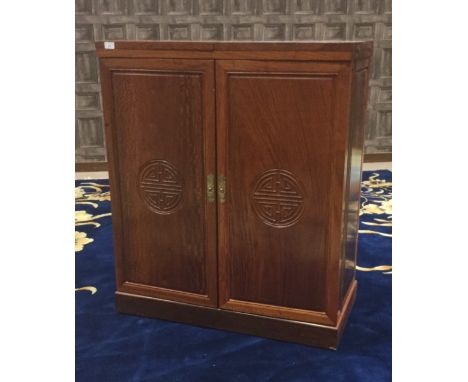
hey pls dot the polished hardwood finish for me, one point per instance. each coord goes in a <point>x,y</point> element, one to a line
<point>160,133</point>
<point>281,142</point>
<point>353,174</point>
<point>235,171</point>
<point>270,327</point>
<point>296,51</point>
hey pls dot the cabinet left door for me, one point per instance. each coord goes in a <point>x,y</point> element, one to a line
<point>160,137</point>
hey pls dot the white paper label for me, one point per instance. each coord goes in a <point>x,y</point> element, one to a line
<point>109,45</point>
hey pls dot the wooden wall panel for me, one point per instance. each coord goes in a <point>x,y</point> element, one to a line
<point>260,20</point>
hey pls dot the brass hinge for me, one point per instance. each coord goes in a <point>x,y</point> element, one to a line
<point>221,188</point>
<point>210,188</point>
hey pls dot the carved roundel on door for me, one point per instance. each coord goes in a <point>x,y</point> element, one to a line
<point>160,186</point>
<point>277,198</point>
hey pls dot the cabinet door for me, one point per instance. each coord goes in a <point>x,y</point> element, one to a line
<point>161,143</point>
<point>281,137</point>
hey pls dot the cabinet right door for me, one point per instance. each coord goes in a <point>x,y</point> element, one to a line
<point>281,148</point>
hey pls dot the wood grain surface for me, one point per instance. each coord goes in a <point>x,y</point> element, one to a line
<point>281,269</point>
<point>235,177</point>
<point>161,124</point>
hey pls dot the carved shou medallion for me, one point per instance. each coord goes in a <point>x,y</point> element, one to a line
<point>277,198</point>
<point>160,186</point>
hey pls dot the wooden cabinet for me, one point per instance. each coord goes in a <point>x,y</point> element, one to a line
<point>235,171</point>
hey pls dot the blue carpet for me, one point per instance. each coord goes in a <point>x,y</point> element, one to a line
<point>114,347</point>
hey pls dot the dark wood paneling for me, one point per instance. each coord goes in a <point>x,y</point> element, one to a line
<point>353,176</point>
<point>275,328</point>
<point>281,146</point>
<point>345,51</point>
<point>160,119</point>
<point>196,46</point>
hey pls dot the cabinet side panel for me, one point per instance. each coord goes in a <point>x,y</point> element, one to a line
<point>355,152</point>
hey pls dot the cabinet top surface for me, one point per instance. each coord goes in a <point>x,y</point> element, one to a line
<point>346,50</point>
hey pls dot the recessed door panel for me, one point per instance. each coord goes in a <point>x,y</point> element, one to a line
<point>161,115</point>
<point>281,149</point>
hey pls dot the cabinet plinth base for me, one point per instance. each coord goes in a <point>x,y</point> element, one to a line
<point>275,328</point>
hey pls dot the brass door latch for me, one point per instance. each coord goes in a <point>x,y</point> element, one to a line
<point>221,188</point>
<point>210,188</point>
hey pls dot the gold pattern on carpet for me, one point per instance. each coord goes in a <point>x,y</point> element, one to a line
<point>87,289</point>
<point>376,200</point>
<point>81,240</point>
<point>88,193</point>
